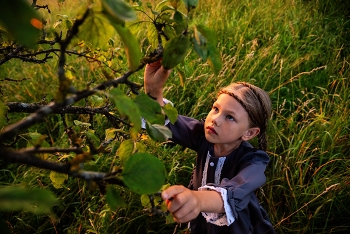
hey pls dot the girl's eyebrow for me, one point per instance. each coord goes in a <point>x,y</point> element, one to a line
<point>232,112</point>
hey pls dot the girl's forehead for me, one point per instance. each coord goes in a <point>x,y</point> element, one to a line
<point>229,103</point>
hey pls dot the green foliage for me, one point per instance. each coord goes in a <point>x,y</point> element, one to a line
<point>96,30</point>
<point>128,148</point>
<point>118,10</point>
<point>136,108</point>
<point>113,198</point>
<point>149,108</point>
<point>158,132</point>
<point>175,51</point>
<point>205,45</point>
<point>127,107</point>
<point>132,48</point>
<point>143,173</point>
<point>190,4</point>
<point>35,200</point>
<point>25,26</point>
<point>170,112</point>
<point>58,179</point>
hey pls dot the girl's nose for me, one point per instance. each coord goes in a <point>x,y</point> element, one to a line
<point>215,120</point>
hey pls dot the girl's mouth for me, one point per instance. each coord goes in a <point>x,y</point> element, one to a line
<point>211,130</point>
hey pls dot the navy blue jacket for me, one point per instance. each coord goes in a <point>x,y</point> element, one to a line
<point>242,174</point>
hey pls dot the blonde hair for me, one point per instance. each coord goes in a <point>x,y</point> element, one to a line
<point>256,102</point>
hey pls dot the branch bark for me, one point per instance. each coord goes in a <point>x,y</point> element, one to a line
<point>64,168</point>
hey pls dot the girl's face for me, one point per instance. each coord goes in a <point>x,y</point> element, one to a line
<point>227,124</point>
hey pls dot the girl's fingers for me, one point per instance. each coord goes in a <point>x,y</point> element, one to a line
<point>172,191</point>
<point>155,64</point>
<point>185,213</point>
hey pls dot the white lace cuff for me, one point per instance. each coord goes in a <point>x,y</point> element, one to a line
<point>143,121</point>
<point>219,219</point>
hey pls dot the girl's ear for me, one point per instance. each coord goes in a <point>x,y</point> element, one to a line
<point>251,133</point>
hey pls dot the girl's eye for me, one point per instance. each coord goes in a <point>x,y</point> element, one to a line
<point>229,117</point>
<point>215,109</point>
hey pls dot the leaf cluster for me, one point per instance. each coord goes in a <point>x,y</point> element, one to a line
<point>27,36</point>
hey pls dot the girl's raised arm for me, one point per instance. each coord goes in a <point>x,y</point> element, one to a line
<point>155,76</point>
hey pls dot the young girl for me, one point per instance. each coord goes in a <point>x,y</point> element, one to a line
<point>221,195</point>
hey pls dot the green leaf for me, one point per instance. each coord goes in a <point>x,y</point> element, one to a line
<point>82,124</point>
<point>169,219</point>
<point>21,21</point>
<point>150,109</point>
<point>180,23</point>
<point>92,137</point>
<point>181,76</point>
<point>132,47</point>
<point>170,112</point>
<point>143,173</point>
<point>127,107</point>
<point>145,202</point>
<point>118,10</point>
<point>163,6</point>
<point>96,101</point>
<point>200,45</point>
<point>175,51</point>
<point>114,11</point>
<point>207,37</point>
<point>96,30</point>
<point>110,133</point>
<point>214,60</point>
<point>113,198</point>
<point>175,3</point>
<point>190,4</point>
<point>126,149</point>
<point>58,179</point>
<point>158,132</point>
<point>36,200</point>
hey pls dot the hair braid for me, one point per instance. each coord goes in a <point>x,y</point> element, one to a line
<point>262,139</point>
<point>257,97</point>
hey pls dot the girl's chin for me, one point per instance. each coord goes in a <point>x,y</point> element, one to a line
<point>209,138</point>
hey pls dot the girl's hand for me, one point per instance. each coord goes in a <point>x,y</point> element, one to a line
<point>182,203</point>
<point>185,204</point>
<point>155,76</point>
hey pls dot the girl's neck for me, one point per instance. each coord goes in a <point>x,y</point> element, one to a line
<point>224,150</point>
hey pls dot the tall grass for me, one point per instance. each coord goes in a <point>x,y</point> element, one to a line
<point>298,51</point>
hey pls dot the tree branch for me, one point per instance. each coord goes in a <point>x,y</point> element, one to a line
<point>31,160</point>
<point>33,107</point>
<point>53,107</point>
<point>64,168</point>
<point>36,150</point>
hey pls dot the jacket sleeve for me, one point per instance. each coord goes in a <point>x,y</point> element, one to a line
<point>238,191</point>
<point>250,177</point>
<point>187,132</point>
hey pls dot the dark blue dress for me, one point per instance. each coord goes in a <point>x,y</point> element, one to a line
<point>241,173</point>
